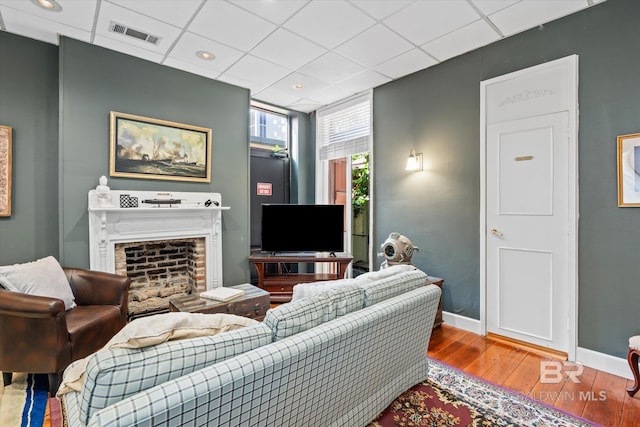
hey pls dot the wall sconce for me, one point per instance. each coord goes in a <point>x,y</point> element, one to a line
<point>414,162</point>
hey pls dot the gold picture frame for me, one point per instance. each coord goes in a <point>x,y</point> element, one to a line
<point>142,147</point>
<point>6,136</point>
<point>629,170</point>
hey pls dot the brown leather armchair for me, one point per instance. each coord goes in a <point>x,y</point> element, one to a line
<point>37,335</point>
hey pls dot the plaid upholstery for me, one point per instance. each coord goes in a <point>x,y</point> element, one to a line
<point>345,299</point>
<point>340,373</point>
<point>297,316</point>
<point>388,287</point>
<point>118,373</point>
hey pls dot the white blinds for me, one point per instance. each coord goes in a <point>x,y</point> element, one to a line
<point>345,129</point>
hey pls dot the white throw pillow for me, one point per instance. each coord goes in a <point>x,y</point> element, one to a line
<point>43,277</point>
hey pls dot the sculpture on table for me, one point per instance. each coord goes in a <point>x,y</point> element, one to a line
<point>397,249</point>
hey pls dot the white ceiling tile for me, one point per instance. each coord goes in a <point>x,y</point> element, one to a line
<point>246,67</point>
<point>38,28</point>
<point>127,49</point>
<point>253,87</point>
<point>274,11</point>
<point>366,80</point>
<point>304,105</point>
<point>309,85</point>
<point>462,40</point>
<point>187,46</point>
<point>424,21</point>
<point>171,12</point>
<point>380,9</point>
<point>329,22</point>
<point>78,14</point>
<point>531,13</point>
<point>275,96</point>
<point>285,48</point>
<point>192,68</point>
<point>228,24</point>
<point>331,68</point>
<point>491,6</point>
<point>374,46</point>
<point>407,63</point>
<point>112,13</point>
<point>329,94</point>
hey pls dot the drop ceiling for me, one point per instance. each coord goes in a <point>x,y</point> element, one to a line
<point>298,54</point>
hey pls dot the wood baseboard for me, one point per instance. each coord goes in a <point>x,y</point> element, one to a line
<point>533,348</point>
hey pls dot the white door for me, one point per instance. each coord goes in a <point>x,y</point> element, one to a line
<point>529,205</point>
<point>527,258</point>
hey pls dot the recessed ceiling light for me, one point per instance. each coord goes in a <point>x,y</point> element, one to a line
<point>297,86</point>
<point>50,5</point>
<point>207,56</point>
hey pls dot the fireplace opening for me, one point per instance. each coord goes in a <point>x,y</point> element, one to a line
<point>159,270</point>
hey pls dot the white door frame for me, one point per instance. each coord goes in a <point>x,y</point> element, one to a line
<point>571,103</point>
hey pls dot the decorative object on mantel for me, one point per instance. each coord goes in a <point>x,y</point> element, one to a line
<point>397,249</point>
<point>5,170</point>
<point>629,170</point>
<point>147,148</point>
<point>103,192</point>
<point>126,201</point>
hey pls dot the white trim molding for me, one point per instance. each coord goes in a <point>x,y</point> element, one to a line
<point>461,322</point>
<point>604,362</point>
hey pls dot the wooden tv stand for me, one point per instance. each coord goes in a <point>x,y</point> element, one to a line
<point>280,284</point>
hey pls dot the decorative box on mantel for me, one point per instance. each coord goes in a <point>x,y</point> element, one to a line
<point>184,227</point>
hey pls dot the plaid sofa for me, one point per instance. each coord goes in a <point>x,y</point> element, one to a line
<point>334,359</point>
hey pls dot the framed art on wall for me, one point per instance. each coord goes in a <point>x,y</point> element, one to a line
<point>5,170</point>
<point>142,147</point>
<point>629,170</point>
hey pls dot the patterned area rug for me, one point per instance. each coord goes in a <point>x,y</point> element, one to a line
<point>450,397</point>
<point>26,403</point>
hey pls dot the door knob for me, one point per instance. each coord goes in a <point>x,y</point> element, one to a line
<point>495,232</point>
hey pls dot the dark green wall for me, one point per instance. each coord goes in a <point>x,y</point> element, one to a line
<point>29,104</point>
<point>436,111</point>
<point>95,81</point>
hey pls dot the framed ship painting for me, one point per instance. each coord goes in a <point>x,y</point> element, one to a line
<point>141,147</point>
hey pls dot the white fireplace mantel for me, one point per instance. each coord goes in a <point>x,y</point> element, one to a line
<point>196,215</point>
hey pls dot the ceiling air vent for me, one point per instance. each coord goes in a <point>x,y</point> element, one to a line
<point>136,34</point>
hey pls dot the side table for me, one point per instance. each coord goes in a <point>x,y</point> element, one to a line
<point>253,304</point>
<point>438,282</point>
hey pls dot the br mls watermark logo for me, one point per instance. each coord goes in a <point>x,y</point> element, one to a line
<point>555,372</point>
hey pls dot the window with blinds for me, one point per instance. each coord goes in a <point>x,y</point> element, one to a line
<point>345,129</point>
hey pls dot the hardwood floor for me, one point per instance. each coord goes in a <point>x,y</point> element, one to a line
<point>598,396</point>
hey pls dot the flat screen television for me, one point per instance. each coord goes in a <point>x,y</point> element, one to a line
<point>302,228</point>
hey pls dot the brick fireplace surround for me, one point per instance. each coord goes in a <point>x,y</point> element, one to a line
<point>160,270</point>
<point>166,249</point>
